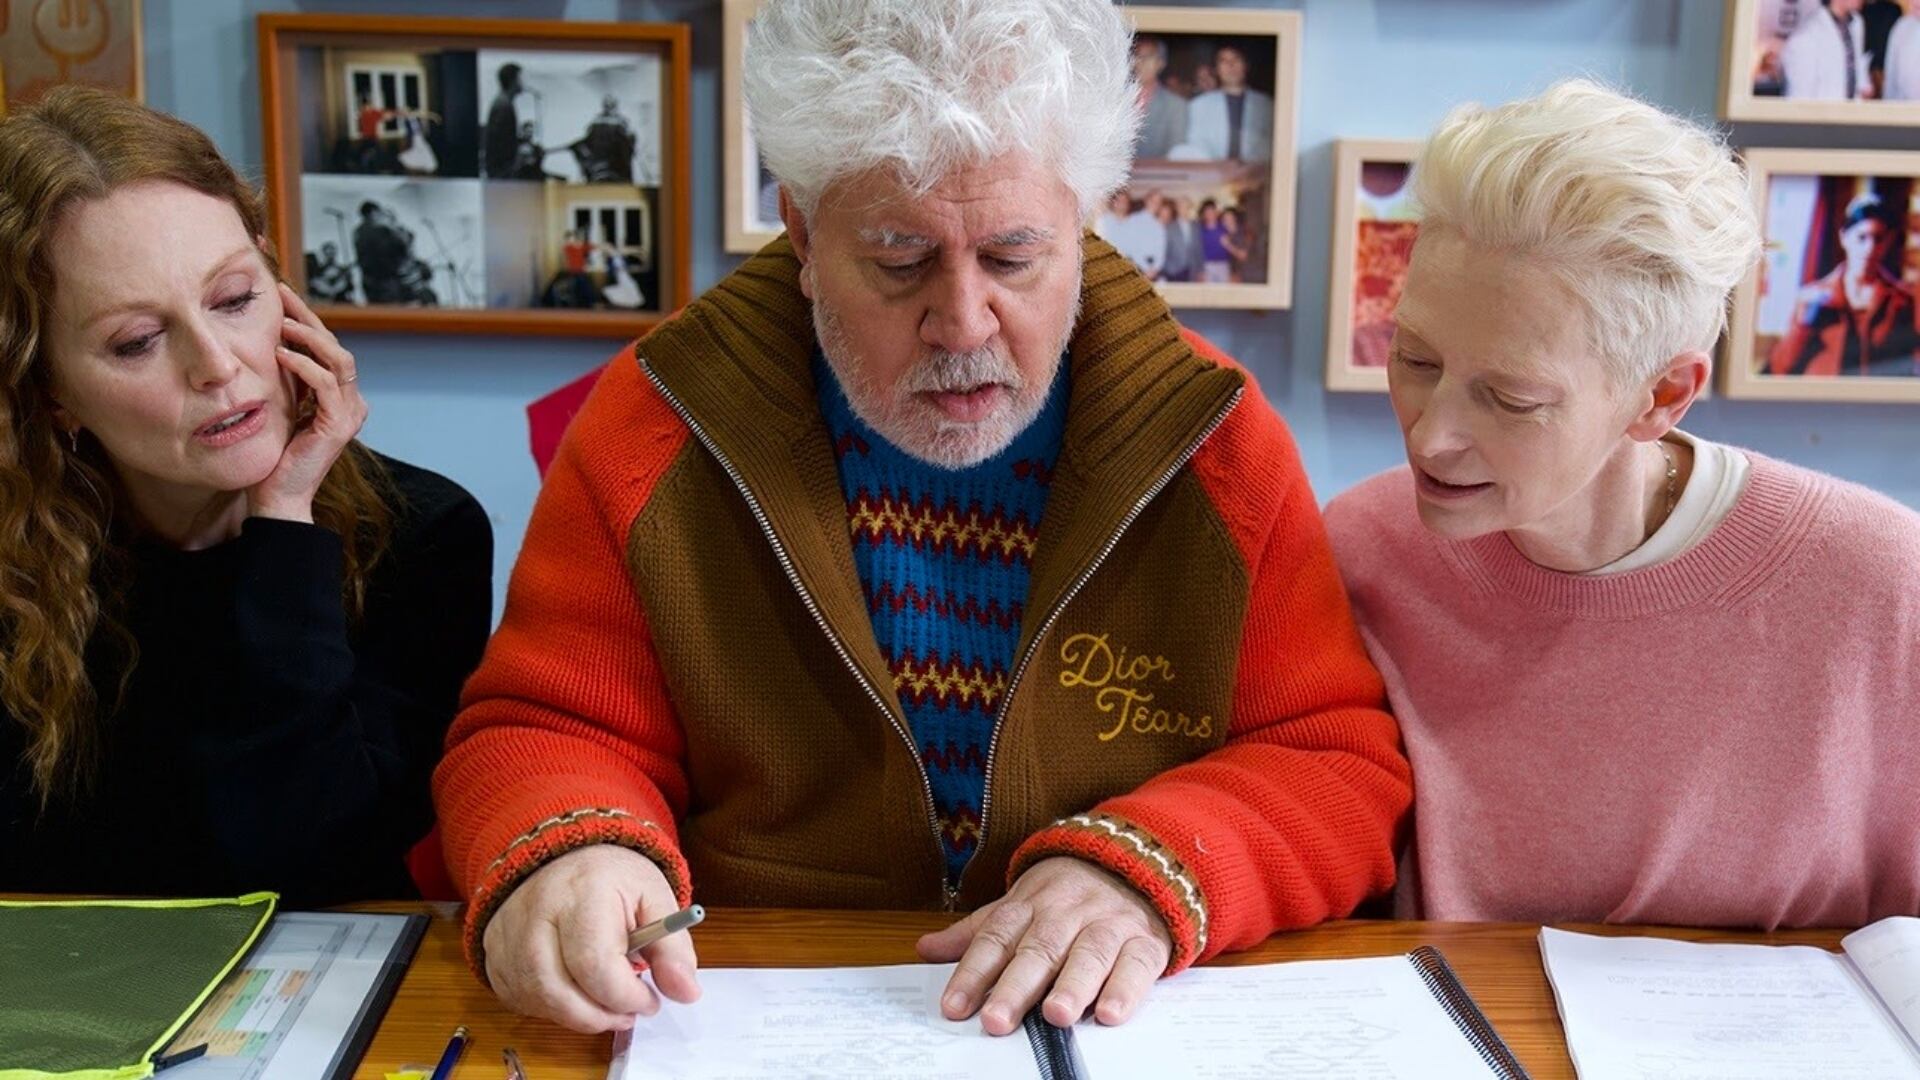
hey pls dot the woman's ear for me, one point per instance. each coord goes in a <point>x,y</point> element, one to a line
<point>63,419</point>
<point>1672,393</point>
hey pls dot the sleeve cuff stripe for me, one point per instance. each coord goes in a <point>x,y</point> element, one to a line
<point>1152,853</point>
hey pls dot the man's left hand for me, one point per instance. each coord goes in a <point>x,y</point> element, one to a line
<point>1068,930</point>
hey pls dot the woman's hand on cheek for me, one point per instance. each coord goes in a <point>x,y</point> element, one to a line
<point>326,371</point>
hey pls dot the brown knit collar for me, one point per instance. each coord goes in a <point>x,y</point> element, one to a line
<point>737,365</point>
<point>739,358</point>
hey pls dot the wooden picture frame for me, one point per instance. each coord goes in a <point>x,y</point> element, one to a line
<point>48,43</point>
<point>432,135</point>
<point>1754,82</point>
<point>752,213</point>
<point>1784,343</point>
<point>1356,354</point>
<point>1197,165</point>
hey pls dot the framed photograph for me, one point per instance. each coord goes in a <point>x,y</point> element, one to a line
<point>1830,314</point>
<point>45,43</point>
<point>479,176</point>
<point>753,195</point>
<point>1208,212</point>
<point>1822,61</point>
<point>1374,225</point>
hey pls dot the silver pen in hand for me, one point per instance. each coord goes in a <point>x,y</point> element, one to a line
<point>680,920</point>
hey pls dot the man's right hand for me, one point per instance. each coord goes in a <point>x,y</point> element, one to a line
<point>557,947</point>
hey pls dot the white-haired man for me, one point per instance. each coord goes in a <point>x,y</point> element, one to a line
<point>925,562</point>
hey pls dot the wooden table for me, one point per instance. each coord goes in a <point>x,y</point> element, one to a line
<point>1498,962</point>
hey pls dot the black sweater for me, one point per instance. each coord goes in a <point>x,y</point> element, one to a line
<point>266,742</point>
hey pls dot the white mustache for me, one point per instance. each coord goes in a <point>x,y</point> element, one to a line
<point>943,371</point>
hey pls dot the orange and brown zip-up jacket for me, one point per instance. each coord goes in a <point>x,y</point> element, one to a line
<point>687,665</point>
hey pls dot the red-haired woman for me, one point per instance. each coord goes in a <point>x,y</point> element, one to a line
<point>231,637</point>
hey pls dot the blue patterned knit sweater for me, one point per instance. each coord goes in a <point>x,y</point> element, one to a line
<point>944,557</point>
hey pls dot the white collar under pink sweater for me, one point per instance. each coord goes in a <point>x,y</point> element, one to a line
<point>1729,738</point>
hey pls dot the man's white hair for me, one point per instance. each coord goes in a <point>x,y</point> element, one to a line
<point>837,88</point>
<point>1644,216</point>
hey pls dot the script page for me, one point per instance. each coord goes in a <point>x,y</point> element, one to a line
<point>1637,1008</point>
<point>1887,955</point>
<point>1369,1019</point>
<point>802,1023</point>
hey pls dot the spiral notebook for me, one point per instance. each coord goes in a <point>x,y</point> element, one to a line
<point>1402,1017</point>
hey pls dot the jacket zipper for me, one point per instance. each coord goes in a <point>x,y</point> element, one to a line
<point>949,891</point>
<point>1046,625</point>
<point>950,894</point>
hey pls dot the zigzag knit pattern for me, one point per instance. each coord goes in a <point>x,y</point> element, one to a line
<point>944,557</point>
<point>947,605</point>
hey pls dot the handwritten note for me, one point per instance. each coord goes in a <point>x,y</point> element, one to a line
<point>1371,1019</point>
<point>1645,1008</point>
<point>871,1023</point>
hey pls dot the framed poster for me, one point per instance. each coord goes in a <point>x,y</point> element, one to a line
<point>1374,226</point>
<point>479,176</point>
<point>1822,61</point>
<point>753,195</point>
<point>46,43</point>
<point>1830,314</point>
<point>1208,211</point>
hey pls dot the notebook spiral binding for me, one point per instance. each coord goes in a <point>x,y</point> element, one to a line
<point>1053,1050</point>
<point>1445,987</point>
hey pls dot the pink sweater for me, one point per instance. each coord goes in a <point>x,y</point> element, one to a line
<point>1731,738</point>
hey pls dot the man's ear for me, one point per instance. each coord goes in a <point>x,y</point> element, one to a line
<point>796,223</point>
<point>1671,394</point>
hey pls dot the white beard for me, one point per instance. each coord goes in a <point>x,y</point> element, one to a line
<point>920,430</point>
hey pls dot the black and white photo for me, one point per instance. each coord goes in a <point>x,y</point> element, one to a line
<point>376,240</point>
<point>570,116</point>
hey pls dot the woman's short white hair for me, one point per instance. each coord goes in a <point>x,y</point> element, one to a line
<point>1644,216</point>
<point>836,88</point>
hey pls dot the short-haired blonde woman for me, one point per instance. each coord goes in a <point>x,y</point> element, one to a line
<point>231,637</point>
<point>1642,677</point>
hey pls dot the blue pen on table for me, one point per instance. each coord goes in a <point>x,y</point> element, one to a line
<point>454,1046</point>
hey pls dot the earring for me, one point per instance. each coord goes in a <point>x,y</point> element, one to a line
<point>73,439</point>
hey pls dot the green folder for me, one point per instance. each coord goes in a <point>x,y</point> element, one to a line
<point>94,989</point>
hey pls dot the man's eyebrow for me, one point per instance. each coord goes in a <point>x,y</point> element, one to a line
<point>888,238</point>
<point>1021,237</point>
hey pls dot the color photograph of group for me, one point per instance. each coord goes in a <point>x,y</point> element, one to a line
<point>1196,207</point>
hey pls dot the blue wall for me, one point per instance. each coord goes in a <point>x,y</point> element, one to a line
<point>1372,68</point>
